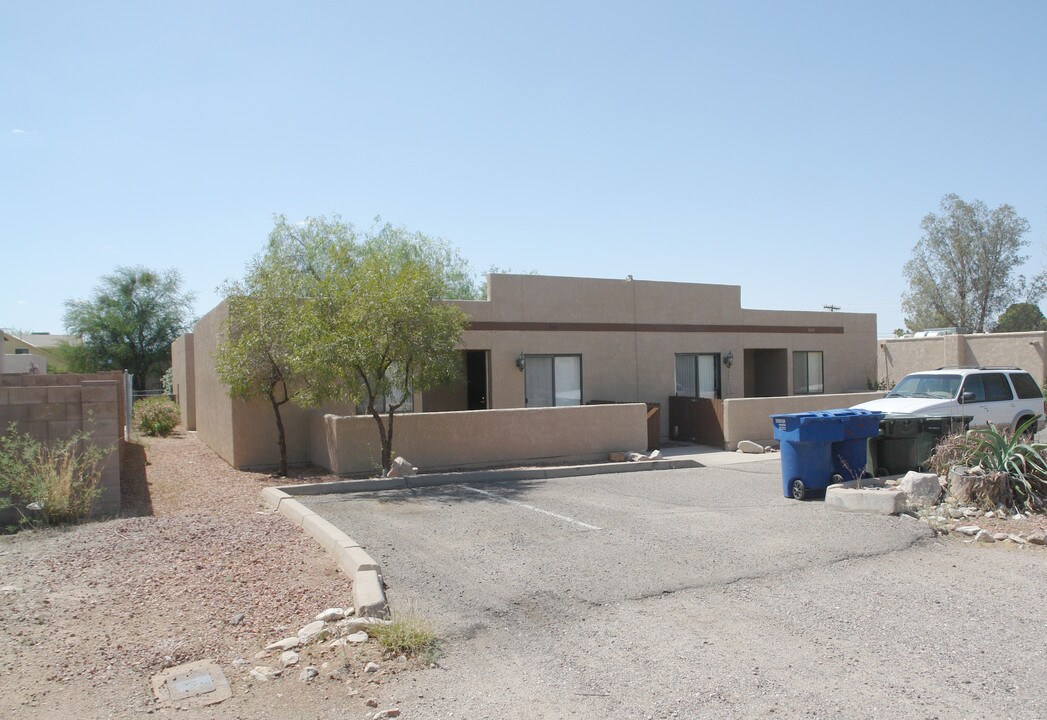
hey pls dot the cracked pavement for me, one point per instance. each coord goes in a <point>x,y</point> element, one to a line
<point>699,593</point>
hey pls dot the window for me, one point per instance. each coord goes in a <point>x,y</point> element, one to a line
<point>698,375</point>
<point>552,380</point>
<point>807,373</point>
<point>21,351</point>
<point>1025,386</point>
<point>988,387</point>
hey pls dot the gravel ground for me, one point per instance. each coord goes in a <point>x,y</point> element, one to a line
<point>89,613</point>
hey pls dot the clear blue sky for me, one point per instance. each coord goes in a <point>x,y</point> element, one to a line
<point>791,148</point>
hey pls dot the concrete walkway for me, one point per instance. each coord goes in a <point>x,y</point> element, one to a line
<point>714,457</point>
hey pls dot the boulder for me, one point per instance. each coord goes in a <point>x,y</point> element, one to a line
<point>921,488</point>
<point>401,468</point>
<point>748,446</point>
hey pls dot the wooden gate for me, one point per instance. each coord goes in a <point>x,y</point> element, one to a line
<point>697,420</point>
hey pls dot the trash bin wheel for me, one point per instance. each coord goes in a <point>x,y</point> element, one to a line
<point>836,478</point>
<point>882,472</point>
<point>797,489</point>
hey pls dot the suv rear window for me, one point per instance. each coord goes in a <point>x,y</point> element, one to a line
<point>1025,386</point>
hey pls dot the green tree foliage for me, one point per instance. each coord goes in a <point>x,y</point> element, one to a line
<point>1021,317</point>
<point>259,356</point>
<point>330,314</point>
<point>962,271</point>
<point>129,323</point>
<point>378,331</point>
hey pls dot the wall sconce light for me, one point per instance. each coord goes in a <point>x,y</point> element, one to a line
<point>728,359</point>
<point>521,362</point>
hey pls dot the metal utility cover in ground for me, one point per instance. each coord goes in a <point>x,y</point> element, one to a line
<point>195,684</point>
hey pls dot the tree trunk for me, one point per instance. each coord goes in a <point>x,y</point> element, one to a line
<point>281,438</point>
<point>387,447</point>
<point>386,441</point>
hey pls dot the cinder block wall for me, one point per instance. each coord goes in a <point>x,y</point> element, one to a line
<point>53,407</point>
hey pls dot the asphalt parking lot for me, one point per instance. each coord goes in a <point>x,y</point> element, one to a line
<point>699,593</point>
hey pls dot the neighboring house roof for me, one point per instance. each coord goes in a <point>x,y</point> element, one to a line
<point>42,344</point>
<point>47,340</point>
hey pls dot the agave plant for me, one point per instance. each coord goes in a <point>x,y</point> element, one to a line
<point>1013,454</point>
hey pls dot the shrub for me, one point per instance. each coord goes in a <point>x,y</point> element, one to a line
<point>156,416</point>
<point>1000,454</point>
<point>49,484</point>
<point>407,634</point>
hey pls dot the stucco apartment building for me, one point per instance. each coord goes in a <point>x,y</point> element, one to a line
<point>541,341</point>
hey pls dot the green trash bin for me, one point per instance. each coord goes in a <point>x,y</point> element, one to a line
<point>906,442</point>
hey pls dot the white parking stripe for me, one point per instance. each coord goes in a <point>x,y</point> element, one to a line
<point>529,507</point>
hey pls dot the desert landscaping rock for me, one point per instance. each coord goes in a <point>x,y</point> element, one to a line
<point>308,673</point>
<point>971,530</point>
<point>401,468</point>
<point>357,637</point>
<point>922,489</point>
<point>748,446</point>
<point>391,713</point>
<point>331,615</point>
<point>1000,536</point>
<point>364,623</point>
<point>311,632</point>
<point>984,536</point>
<point>372,667</point>
<point>285,644</point>
<point>236,619</point>
<point>1016,539</point>
<point>289,658</point>
<point>1037,538</point>
<point>371,702</point>
<point>265,672</point>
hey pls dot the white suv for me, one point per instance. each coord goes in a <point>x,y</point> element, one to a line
<point>1003,396</point>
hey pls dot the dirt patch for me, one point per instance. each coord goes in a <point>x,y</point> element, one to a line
<point>90,613</point>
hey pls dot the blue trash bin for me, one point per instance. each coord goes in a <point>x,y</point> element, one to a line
<point>806,443</point>
<point>850,455</point>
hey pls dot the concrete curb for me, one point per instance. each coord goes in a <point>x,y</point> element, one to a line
<point>368,592</point>
<point>481,476</point>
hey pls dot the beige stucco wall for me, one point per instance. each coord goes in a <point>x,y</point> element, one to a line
<point>214,409</point>
<point>183,378</point>
<point>749,418</point>
<point>478,438</point>
<point>898,357</point>
<point>242,432</point>
<point>20,363</point>
<point>640,366</point>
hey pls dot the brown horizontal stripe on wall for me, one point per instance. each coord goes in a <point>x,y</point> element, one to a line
<point>653,328</point>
